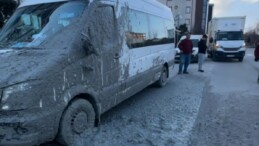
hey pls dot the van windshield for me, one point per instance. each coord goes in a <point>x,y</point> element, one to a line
<point>31,25</point>
<point>232,35</point>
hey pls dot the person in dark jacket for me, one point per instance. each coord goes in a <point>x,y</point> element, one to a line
<point>202,51</point>
<point>256,54</point>
<point>185,47</point>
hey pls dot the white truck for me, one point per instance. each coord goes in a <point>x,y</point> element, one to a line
<point>226,38</point>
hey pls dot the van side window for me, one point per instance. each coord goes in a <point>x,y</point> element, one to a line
<point>102,27</point>
<point>169,26</point>
<point>161,31</point>
<point>137,33</point>
<point>147,30</point>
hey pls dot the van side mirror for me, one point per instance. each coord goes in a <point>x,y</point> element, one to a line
<point>88,46</point>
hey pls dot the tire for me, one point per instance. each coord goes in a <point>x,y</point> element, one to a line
<point>209,55</point>
<point>241,59</point>
<point>196,60</point>
<point>214,57</point>
<point>163,77</point>
<point>76,119</point>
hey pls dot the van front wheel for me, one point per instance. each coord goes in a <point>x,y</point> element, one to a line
<point>77,118</point>
<point>163,77</point>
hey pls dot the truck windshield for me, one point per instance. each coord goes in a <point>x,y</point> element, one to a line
<point>230,36</point>
<point>31,25</point>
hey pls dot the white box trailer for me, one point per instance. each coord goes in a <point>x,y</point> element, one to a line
<point>226,38</point>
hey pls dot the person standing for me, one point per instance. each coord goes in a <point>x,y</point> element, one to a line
<point>185,47</point>
<point>256,54</point>
<point>202,51</point>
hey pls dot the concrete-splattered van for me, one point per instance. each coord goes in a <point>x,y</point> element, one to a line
<point>64,63</point>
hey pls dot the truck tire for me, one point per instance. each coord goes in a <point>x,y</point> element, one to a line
<point>76,119</point>
<point>163,78</point>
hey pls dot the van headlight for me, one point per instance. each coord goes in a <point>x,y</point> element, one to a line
<point>16,97</point>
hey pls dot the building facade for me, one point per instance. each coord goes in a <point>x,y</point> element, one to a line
<point>193,13</point>
<point>183,11</point>
<point>210,14</point>
<point>201,16</point>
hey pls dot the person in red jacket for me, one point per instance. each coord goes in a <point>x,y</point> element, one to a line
<point>185,47</point>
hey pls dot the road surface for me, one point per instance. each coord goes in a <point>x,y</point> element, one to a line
<point>217,108</point>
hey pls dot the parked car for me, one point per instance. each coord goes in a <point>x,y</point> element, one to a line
<point>195,39</point>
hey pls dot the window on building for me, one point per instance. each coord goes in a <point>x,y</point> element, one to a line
<point>187,21</point>
<point>188,10</point>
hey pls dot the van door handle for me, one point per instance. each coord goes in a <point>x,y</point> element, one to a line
<point>117,56</point>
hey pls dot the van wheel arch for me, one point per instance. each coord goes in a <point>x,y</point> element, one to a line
<point>163,77</point>
<point>86,97</point>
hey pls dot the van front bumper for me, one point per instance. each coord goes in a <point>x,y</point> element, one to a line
<point>26,128</point>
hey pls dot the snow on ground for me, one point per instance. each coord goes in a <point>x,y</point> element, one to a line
<point>153,117</point>
<point>217,108</point>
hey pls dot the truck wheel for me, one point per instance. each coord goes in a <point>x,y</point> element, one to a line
<point>163,78</point>
<point>76,119</point>
<point>240,59</point>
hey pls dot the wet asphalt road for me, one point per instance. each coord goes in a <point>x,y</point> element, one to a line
<point>229,112</point>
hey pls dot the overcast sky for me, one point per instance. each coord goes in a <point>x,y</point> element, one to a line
<point>248,8</point>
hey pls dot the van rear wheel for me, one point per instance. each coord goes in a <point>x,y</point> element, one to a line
<point>77,118</point>
<point>163,77</point>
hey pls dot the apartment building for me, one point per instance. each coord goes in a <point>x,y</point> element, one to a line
<point>183,10</point>
<point>201,16</point>
<point>193,13</point>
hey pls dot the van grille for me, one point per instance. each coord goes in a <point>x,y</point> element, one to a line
<point>231,49</point>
